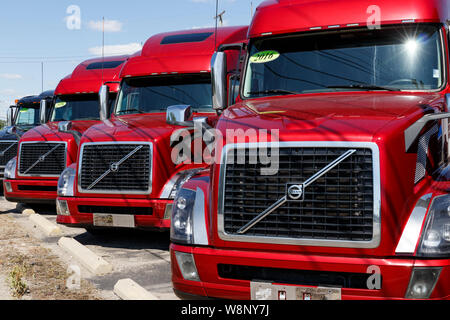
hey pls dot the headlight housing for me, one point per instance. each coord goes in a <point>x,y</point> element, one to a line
<point>181,230</point>
<point>435,240</point>
<point>171,188</point>
<point>10,169</point>
<point>66,183</point>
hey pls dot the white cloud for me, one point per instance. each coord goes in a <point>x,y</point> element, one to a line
<point>7,92</point>
<point>120,49</point>
<point>110,25</point>
<point>10,76</point>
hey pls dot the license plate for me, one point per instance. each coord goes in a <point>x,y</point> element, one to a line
<point>267,291</point>
<point>114,220</point>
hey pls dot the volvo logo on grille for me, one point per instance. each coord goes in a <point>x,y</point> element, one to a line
<point>114,167</point>
<point>41,158</point>
<point>295,192</point>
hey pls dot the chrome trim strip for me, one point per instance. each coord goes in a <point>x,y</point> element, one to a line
<point>40,142</point>
<point>411,234</point>
<point>374,243</point>
<point>199,223</point>
<point>168,187</point>
<point>80,166</point>
<point>262,215</point>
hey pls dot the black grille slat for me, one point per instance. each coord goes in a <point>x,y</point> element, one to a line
<point>296,276</point>
<point>8,150</point>
<point>53,164</point>
<point>133,174</point>
<point>337,206</point>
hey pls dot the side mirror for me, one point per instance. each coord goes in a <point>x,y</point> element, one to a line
<point>10,116</point>
<point>104,102</point>
<point>13,130</point>
<point>179,115</point>
<point>44,111</point>
<point>66,127</point>
<point>219,81</point>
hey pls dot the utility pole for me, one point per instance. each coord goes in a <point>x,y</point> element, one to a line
<point>42,76</point>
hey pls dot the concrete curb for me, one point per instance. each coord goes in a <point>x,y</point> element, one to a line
<point>95,264</point>
<point>127,289</point>
<point>28,212</point>
<point>50,229</point>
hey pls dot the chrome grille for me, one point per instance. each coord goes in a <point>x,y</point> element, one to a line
<point>115,168</point>
<point>342,205</point>
<point>8,150</point>
<point>42,159</point>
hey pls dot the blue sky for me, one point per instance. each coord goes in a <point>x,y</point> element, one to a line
<point>35,31</point>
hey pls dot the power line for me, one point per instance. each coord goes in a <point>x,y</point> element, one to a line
<point>35,62</point>
<point>46,58</point>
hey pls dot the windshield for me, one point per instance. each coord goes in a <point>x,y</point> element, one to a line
<point>153,95</point>
<point>27,116</point>
<point>77,107</point>
<point>393,58</point>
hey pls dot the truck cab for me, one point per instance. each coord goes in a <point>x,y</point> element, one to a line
<point>21,117</point>
<point>332,181</point>
<point>46,150</point>
<point>126,176</point>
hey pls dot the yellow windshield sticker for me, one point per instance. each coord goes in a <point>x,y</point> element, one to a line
<point>264,56</point>
<point>60,104</point>
<point>24,110</point>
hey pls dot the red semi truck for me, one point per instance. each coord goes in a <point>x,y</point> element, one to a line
<point>20,118</point>
<point>44,152</point>
<point>355,204</point>
<point>125,176</point>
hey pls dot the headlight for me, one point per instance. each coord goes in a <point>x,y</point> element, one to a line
<point>182,217</point>
<point>66,183</point>
<point>10,169</point>
<point>435,241</point>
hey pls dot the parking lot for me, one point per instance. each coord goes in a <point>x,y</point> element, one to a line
<point>134,254</point>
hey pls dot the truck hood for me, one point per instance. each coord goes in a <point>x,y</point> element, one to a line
<point>130,128</point>
<point>145,127</point>
<point>4,135</point>
<point>378,117</point>
<point>355,116</point>
<point>49,131</point>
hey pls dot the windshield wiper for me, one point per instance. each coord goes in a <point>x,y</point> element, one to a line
<point>363,87</point>
<point>274,91</point>
<point>130,111</point>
